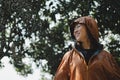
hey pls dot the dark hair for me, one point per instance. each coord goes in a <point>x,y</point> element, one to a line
<point>94,44</point>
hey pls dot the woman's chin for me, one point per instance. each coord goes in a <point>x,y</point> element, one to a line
<point>78,40</point>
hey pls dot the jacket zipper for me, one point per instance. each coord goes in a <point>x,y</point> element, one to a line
<point>87,65</point>
<point>87,71</point>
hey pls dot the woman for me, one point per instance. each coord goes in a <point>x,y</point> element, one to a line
<point>87,60</point>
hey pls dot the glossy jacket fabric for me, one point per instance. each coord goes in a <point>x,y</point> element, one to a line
<point>101,66</point>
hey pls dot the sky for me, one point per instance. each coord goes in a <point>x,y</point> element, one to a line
<point>8,72</point>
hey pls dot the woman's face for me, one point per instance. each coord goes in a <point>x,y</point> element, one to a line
<point>80,33</point>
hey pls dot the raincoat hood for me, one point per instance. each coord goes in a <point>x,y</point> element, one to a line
<point>90,23</point>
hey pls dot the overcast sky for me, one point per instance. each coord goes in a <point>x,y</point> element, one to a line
<point>8,73</point>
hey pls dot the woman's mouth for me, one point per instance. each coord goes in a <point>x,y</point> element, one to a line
<point>77,35</point>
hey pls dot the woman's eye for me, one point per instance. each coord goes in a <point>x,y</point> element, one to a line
<point>77,26</point>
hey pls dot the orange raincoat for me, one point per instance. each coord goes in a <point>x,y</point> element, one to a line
<point>101,66</point>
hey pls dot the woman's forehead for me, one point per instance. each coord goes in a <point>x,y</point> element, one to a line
<point>76,24</point>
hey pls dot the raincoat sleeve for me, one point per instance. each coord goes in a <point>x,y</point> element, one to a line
<point>63,69</point>
<point>111,67</point>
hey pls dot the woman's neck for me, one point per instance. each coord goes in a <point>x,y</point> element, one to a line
<point>86,44</point>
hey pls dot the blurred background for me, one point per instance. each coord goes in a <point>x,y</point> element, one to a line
<point>34,34</point>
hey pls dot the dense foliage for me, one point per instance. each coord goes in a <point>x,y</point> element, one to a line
<point>45,25</point>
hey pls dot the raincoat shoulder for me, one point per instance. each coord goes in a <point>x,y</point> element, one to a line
<point>62,72</point>
<point>111,68</point>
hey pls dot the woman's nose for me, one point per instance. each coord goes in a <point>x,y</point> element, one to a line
<point>75,30</point>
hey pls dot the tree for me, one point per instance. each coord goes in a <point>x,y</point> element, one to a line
<point>109,20</point>
<point>32,19</point>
